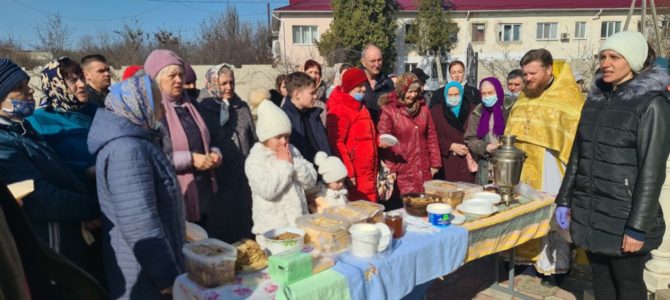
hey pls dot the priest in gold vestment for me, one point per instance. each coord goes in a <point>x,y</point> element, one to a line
<point>544,120</point>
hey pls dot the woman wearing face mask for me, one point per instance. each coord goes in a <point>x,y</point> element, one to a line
<point>457,74</point>
<point>231,127</point>
<point>609,197</point>
<point>485,125</point>
<point>451,120</point>
<point>405,115</point>
<point>59,203</point>
<point>186,139</point>
<point>138,192</point>
<point>352,135</point>
<point>62,120</point>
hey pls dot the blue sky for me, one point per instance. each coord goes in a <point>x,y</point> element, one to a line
<point>18,18</point>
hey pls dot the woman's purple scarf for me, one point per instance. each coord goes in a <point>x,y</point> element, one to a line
<point>498,118</point>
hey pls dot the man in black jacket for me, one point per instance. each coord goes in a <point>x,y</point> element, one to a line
<point>98,78</point>
<point>378,83</point>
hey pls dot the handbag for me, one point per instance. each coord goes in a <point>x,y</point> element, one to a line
<point>385,182</point>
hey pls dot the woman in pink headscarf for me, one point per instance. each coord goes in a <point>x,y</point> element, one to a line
<point>186,140</point>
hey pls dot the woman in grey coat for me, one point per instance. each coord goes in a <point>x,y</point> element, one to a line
<point>230,124</point>
<point>143,212</point>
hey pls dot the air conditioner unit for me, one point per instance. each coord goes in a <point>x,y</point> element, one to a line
<point>565,37</point>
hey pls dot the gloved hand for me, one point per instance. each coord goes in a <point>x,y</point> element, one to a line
<point>562,215</point>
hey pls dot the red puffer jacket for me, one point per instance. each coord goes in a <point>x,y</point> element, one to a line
<point>417,150</point>
<point>353,138</point>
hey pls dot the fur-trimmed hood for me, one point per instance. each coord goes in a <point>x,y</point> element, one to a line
<point>652,80</point>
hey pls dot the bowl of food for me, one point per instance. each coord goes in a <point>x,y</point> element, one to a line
<point>284,240</point>
<point>416,204</point>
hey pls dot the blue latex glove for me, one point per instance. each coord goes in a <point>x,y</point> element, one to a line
<point>562,215</point>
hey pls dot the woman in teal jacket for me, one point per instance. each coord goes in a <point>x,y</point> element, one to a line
<point>62,119</point>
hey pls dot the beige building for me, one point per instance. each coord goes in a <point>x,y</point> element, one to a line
<point>501,31</point>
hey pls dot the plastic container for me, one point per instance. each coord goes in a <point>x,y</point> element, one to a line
<point>375,211</point>
<point>210,262</point>
<point>369,239</point>
<point>452,193</point>
<point>439,214</point>
<point>470,189</point>
<point>352,214</point>
<point>326,233</point>
<point>284,246</point>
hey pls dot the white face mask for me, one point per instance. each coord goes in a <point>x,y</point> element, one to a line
<point>453,101</point>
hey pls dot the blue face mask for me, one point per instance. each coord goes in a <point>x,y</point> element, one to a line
<point>513,94</point>
<point>490,100</point>
<point>358,96</point>
<point>21,109</point>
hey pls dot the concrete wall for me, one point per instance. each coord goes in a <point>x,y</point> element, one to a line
<point>247,78</point>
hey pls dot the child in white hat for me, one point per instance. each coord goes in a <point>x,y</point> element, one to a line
<point>333,173</point>
<point>278,174</point>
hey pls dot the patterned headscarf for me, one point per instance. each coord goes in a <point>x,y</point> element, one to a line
<point>56,93</point>
<point>133,99</point>
<point>212,81</point>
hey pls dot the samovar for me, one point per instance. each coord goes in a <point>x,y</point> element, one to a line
<point>507,164</point>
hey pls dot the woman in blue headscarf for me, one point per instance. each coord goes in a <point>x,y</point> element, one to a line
<point>140,199</point>
<point>451,120</point>
<point>485,125</point>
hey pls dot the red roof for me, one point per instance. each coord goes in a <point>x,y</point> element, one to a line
<point>464,5</point>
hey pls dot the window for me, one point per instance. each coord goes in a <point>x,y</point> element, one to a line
<point>509,32</point>
<point>478,32</point>
<point>580,30</point>
<point>408,29</point>
<point>305,35</point>
<point>665,29</point>
<point>609,28</point>
<point>547,31</point>
<point>409,67</point>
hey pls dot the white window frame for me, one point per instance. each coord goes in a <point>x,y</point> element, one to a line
<point>299,41</point>
<point>541,30</point>
<point>513,39</point>
<point>608,28</point>
<point>584,30</point>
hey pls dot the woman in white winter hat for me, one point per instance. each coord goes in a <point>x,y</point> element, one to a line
<point>277,173</point>
<point>609,197</point>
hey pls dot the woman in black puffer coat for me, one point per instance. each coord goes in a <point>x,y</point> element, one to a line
<point>610,193</point>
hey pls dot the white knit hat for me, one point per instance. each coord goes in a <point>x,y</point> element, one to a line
<point>272,121</point>
<point>331,168</point>
<point>631,45</point>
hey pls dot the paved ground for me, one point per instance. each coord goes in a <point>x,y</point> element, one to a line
<point>473,281</point>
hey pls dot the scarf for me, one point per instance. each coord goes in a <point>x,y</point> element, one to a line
<point>180,143</point>
<point>455,116</point>
<point>133,99</point>
<point>212,81</point>
<point>57,96</point>
<point>498,117</point>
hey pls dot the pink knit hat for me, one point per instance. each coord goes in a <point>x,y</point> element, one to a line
<point>159,59</point>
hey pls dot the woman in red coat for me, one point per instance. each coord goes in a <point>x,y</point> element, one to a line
<point>352,135</point>
<point>416,157</point>
<point>451,119</point>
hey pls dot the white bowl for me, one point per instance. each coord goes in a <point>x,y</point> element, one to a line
<point>284,246</point>
<point>493,197</point>
<point>477,210</point>
<point>388,139</point>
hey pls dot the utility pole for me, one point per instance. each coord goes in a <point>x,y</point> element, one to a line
<point>659,44</point>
